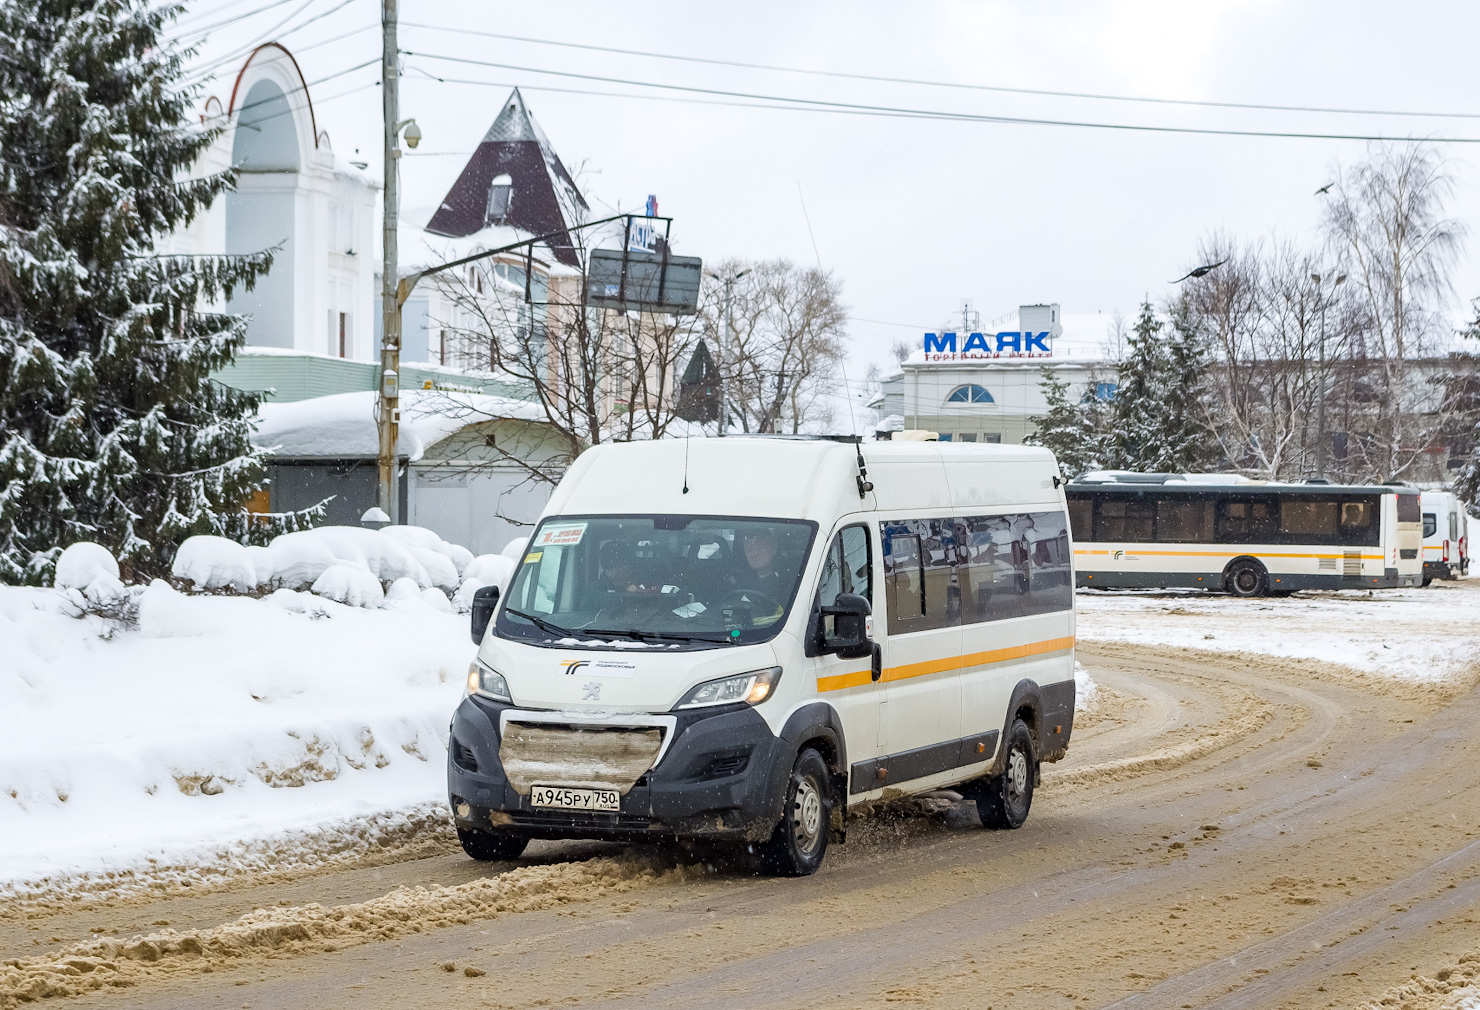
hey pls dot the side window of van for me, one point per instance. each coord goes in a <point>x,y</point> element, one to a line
<point>847,567</point>
<point>903,577</point>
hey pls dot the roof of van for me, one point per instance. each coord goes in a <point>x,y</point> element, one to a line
<point>806,478</point>
<point>1174,483</point>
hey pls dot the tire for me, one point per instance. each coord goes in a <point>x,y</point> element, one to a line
<point>1004,800</point>
<point>1427,579</point>
<point>796,847</point>
<point>487,847</point>
<point>1247,579</point>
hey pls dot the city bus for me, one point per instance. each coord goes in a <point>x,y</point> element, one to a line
<point>1230,534</point>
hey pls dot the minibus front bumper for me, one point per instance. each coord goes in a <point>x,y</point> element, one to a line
<point>721,775</point>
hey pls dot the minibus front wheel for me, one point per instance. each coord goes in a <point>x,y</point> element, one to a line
<point>796,847</point>
<point>1004,800</point>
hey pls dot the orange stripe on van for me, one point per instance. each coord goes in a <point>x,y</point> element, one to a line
<point>978,658</point>
<point>858,678</point>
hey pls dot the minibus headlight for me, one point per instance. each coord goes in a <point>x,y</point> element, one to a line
<point>751,688</point>
<point>488,683</point>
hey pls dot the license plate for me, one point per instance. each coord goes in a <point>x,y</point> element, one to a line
<point>608,800</point>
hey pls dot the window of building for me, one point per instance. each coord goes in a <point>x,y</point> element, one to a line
<point>968,436</point>
<point>969,393</point>
<point>944,436</point>
<point>995,437</point>
<point>500,197</point>
<point>1106,390</point>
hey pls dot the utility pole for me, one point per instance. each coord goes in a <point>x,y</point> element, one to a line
<point>1321,403</point>
<point>389,415</point>
<point>724,341</point>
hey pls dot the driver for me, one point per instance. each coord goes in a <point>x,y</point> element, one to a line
<point>762,576</point>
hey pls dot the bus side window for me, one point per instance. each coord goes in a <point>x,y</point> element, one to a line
<point>903,578</point>
<point>1124,521</point>
<point>1080,511</point>
<point>1184,520</point>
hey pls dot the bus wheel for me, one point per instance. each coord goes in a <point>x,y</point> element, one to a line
<point>1004,801</point>
<point>796,847</point>
<point>1247,578</point>
<point>489,848</point>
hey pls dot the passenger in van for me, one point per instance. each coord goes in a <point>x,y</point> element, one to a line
<point>623,601</point>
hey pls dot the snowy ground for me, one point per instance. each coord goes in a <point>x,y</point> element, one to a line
<point>1415,634</point>
<point>217,721</point>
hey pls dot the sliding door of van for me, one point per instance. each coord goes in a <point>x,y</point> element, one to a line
<point>922,648</point>
<point>848,684</point>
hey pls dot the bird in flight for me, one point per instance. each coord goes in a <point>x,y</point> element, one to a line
<point>1201,271</point>
<point>1324,189</point>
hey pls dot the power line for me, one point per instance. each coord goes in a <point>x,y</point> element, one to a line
<point>201,73</point>
<point>822,105</point>
<point>948,84</point>
<point>188,30</point>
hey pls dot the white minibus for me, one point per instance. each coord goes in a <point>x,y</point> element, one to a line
<point>1446,547</point>
<point>737,639</point>
<point>1249,538</point>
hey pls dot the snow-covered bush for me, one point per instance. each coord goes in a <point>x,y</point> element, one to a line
<point>261,563</point>
<point>439,568</point>
<point>83,562</point>
<point>421,538</point>
<point>404,591</point>
<point>514,549</point>
<point>353,587</point>
<point>216,563</point>
<point>490,570</point>
<point>300,558</point>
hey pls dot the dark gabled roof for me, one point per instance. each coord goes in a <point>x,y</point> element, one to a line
<point>543,191</point>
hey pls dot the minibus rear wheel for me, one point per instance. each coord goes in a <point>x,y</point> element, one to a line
<point>1004,800</point>
<point>796,847</point>
<point>487,847</point>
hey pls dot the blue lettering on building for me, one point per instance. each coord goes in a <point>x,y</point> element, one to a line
<point>1036,342</point>
<point>944,343</point>
<point>976,342</point>
<point>1010,340</point>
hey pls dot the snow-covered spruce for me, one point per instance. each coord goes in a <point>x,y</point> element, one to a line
<point>110,428</point>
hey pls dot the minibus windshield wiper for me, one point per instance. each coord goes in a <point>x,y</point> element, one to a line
<point>671,635</point>
<point>542,624</point>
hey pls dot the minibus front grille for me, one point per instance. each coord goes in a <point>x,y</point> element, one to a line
<point>570,820</point>
<point>577,755</point>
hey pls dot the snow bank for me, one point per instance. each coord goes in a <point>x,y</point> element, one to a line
<point>1422,635</point>
<point>219,719</point>
<point>353,587</point>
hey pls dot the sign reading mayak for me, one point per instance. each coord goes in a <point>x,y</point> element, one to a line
<point>1006,344</point>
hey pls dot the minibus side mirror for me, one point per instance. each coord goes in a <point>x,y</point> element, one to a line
<point>485,601</point>
<point>848,637</point>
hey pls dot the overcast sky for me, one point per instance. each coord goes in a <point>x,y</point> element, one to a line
<point>913,214</point>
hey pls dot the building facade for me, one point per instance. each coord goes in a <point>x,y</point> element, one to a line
<point>976,384</point>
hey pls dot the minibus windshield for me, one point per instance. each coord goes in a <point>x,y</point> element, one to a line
<point>660,581</point>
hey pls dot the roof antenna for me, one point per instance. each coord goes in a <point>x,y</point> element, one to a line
<point>864,484</point>
<point>686,464</point>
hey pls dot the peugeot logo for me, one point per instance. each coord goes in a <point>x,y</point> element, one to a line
<point>591,690</point>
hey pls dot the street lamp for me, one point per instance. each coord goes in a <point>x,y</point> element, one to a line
<point>729,283</point>
<point>1321,405</point>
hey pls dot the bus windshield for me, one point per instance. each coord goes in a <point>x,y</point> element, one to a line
<point>660,581</point>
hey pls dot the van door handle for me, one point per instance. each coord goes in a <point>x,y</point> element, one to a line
<point>877,668</point>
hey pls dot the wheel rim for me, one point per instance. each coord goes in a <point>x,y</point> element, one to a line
<point>806,815</point>
<point>1017,777</point>
<point>1246,580</point>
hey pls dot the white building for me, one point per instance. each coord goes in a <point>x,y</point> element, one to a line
<point>297,195</point>
<point>980,383</point>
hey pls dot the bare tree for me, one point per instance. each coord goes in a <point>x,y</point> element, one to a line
<point>1387,220</point>
<point>786,331</point>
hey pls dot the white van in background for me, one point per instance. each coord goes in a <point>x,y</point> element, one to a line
<point>738,638</point>
<point>1446,545</point>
